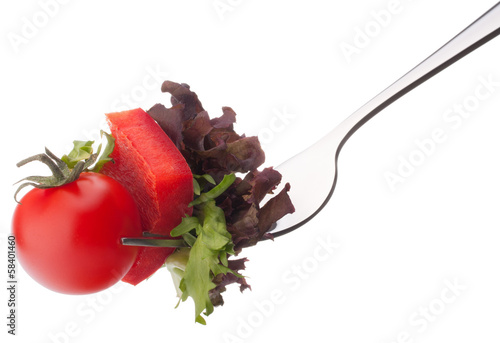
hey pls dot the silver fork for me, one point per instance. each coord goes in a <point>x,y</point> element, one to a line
<point>316,158</point>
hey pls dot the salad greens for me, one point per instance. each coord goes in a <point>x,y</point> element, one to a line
<point>208,255</point>
<point>227,214</point>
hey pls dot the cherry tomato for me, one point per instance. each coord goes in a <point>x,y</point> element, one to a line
<point>68,238</point>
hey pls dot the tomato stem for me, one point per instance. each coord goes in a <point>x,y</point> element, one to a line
<point>46,159</point>
<point>61,173</point>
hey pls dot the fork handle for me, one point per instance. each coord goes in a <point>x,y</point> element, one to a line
<point>476,34</point>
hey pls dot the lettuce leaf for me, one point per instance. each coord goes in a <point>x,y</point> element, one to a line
<point>227,209</point>
<point>208,254</point>
<point>83,150</point>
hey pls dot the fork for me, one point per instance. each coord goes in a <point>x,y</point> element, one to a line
<point>317,157</point>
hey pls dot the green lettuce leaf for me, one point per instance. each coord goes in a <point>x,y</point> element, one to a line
<point>211,244</point>
<point>83,151</point>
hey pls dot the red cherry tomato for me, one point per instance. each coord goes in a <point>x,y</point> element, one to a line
<point>68,237</point>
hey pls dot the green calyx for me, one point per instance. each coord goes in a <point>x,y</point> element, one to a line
<point>68,168</point>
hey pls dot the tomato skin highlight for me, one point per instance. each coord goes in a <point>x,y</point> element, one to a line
<point>69,237</point>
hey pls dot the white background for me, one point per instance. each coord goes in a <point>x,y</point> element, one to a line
<point>396,250</point>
